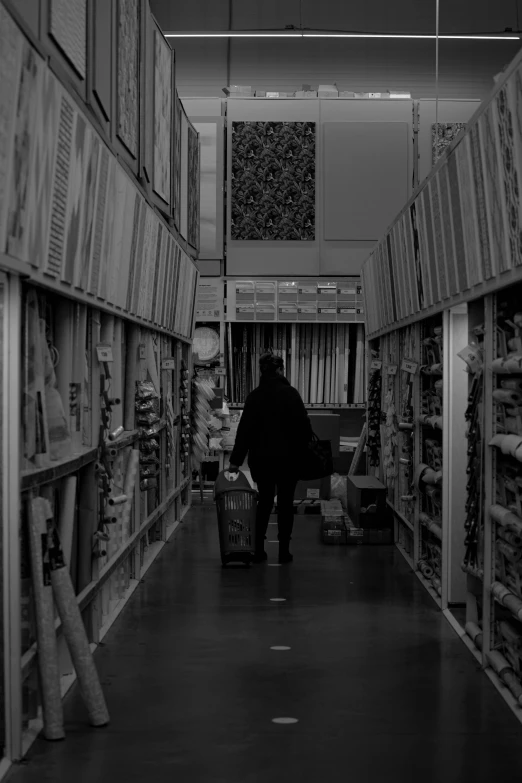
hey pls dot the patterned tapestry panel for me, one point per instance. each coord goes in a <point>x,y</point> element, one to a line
<point>442,134</point>
<point>193,187</point>
<point>69,30</point>
<point>128,73</point>
<point>162,116</point>
<point>273,180</point>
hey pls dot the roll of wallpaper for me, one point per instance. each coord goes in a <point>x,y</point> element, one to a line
<point>67,516</point>
<point>128,487</point>
<point>510,552</point>
<point>52,709</point>
<point>475,634</point>
<point>426,570</point>
<point>509,444</point>
<point>78,643</point>
<point>507,396</point>
<point>505,517</point>
<point>504,670</point>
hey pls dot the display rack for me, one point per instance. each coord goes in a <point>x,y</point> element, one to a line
<point>98,290</point>
<point>445,284</point>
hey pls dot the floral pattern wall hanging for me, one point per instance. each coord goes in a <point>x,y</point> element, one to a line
<point>442,134</point>
<point>273,181</point>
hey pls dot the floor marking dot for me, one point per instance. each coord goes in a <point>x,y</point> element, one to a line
<point>285,720</point>
<point>278,599</point>
<point>275,565</point>
<point>280,647</point>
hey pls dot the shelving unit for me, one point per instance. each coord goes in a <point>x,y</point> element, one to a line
<point>453,254</point>
<point>99,218</point>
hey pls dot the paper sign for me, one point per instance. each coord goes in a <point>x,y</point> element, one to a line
<point>168,364</point>
<point>104,353</point>
<point>408,366</point>
<point>376,364</point>
<point>392,369</point>
<point>220,371</point>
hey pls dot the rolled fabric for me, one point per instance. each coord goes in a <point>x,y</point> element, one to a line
<point>511,538</point>
<point>419,471</point>
<point>505,517</point>
<point>497,662</point>
<point>431,476</point>
<point>513,363</point>
<point>507,599</point>
<point>406,425</point>
<point>508,444</point>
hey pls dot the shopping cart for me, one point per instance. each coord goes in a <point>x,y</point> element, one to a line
<point>236,504</point>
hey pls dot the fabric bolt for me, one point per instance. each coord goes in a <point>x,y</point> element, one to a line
<point>493,202</point>
<point>106,247</point>
<point>442,135</point>
<point>447,224</point>
<point>438,238</point>
<point>480,202</point>
<point>458,229</point>
<point>273,181</point>
<point>509,176</point>
<point>401,265</point>
<point>99,221</point>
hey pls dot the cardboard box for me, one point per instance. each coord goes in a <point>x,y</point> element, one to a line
<point>238,91</point>
<point>366,502</point>
<point>359,536</point>
<point>306,94</point>
<point>328,91</point>
<point>319,489</point>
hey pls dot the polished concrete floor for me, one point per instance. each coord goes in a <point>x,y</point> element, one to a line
<point>381,687</point>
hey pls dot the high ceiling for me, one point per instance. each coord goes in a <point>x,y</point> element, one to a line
<point>456,16</point>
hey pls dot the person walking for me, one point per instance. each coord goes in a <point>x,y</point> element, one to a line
<point>273,430</point>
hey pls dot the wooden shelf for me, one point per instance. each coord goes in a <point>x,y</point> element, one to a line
<point>60,469</point>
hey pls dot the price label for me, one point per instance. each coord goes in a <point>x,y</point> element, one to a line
<point>308,310</point>
<point>356,531</point>
<point>104,353</point>
<point>142,352</point>
<point>220,371</point>
<point>169,363</point>
<point>408,366</point>
<point>392,369</point>
<point>328,310</point>
<point>347,291</point>
<point>376,364</point>
<point>288,309</point>
<point>347,310</point>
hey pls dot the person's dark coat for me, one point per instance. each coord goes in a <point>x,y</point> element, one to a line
<point>274,428</point>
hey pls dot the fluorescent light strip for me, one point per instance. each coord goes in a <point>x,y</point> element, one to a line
<point>344,35</point>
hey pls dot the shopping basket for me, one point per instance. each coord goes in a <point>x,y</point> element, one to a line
<point>236,504</point>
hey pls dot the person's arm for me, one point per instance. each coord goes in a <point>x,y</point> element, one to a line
<point>244,430</point>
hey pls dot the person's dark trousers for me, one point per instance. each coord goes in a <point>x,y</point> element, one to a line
<point>269,484</point>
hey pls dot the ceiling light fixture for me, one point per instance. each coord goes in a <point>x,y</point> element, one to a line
<point>507,36</point>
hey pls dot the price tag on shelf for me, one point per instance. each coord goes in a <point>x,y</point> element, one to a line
<point>169,363</point>
<point>220,371</point>
<point>392,369</point>
<point>408,366</point>
<point>376,364</point>
<point>104,352</point>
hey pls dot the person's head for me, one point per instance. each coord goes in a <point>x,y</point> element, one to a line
<point>270,364</point>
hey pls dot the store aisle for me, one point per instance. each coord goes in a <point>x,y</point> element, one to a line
<point>381,686</point>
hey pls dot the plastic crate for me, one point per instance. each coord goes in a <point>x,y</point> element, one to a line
<point>236,504</point>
